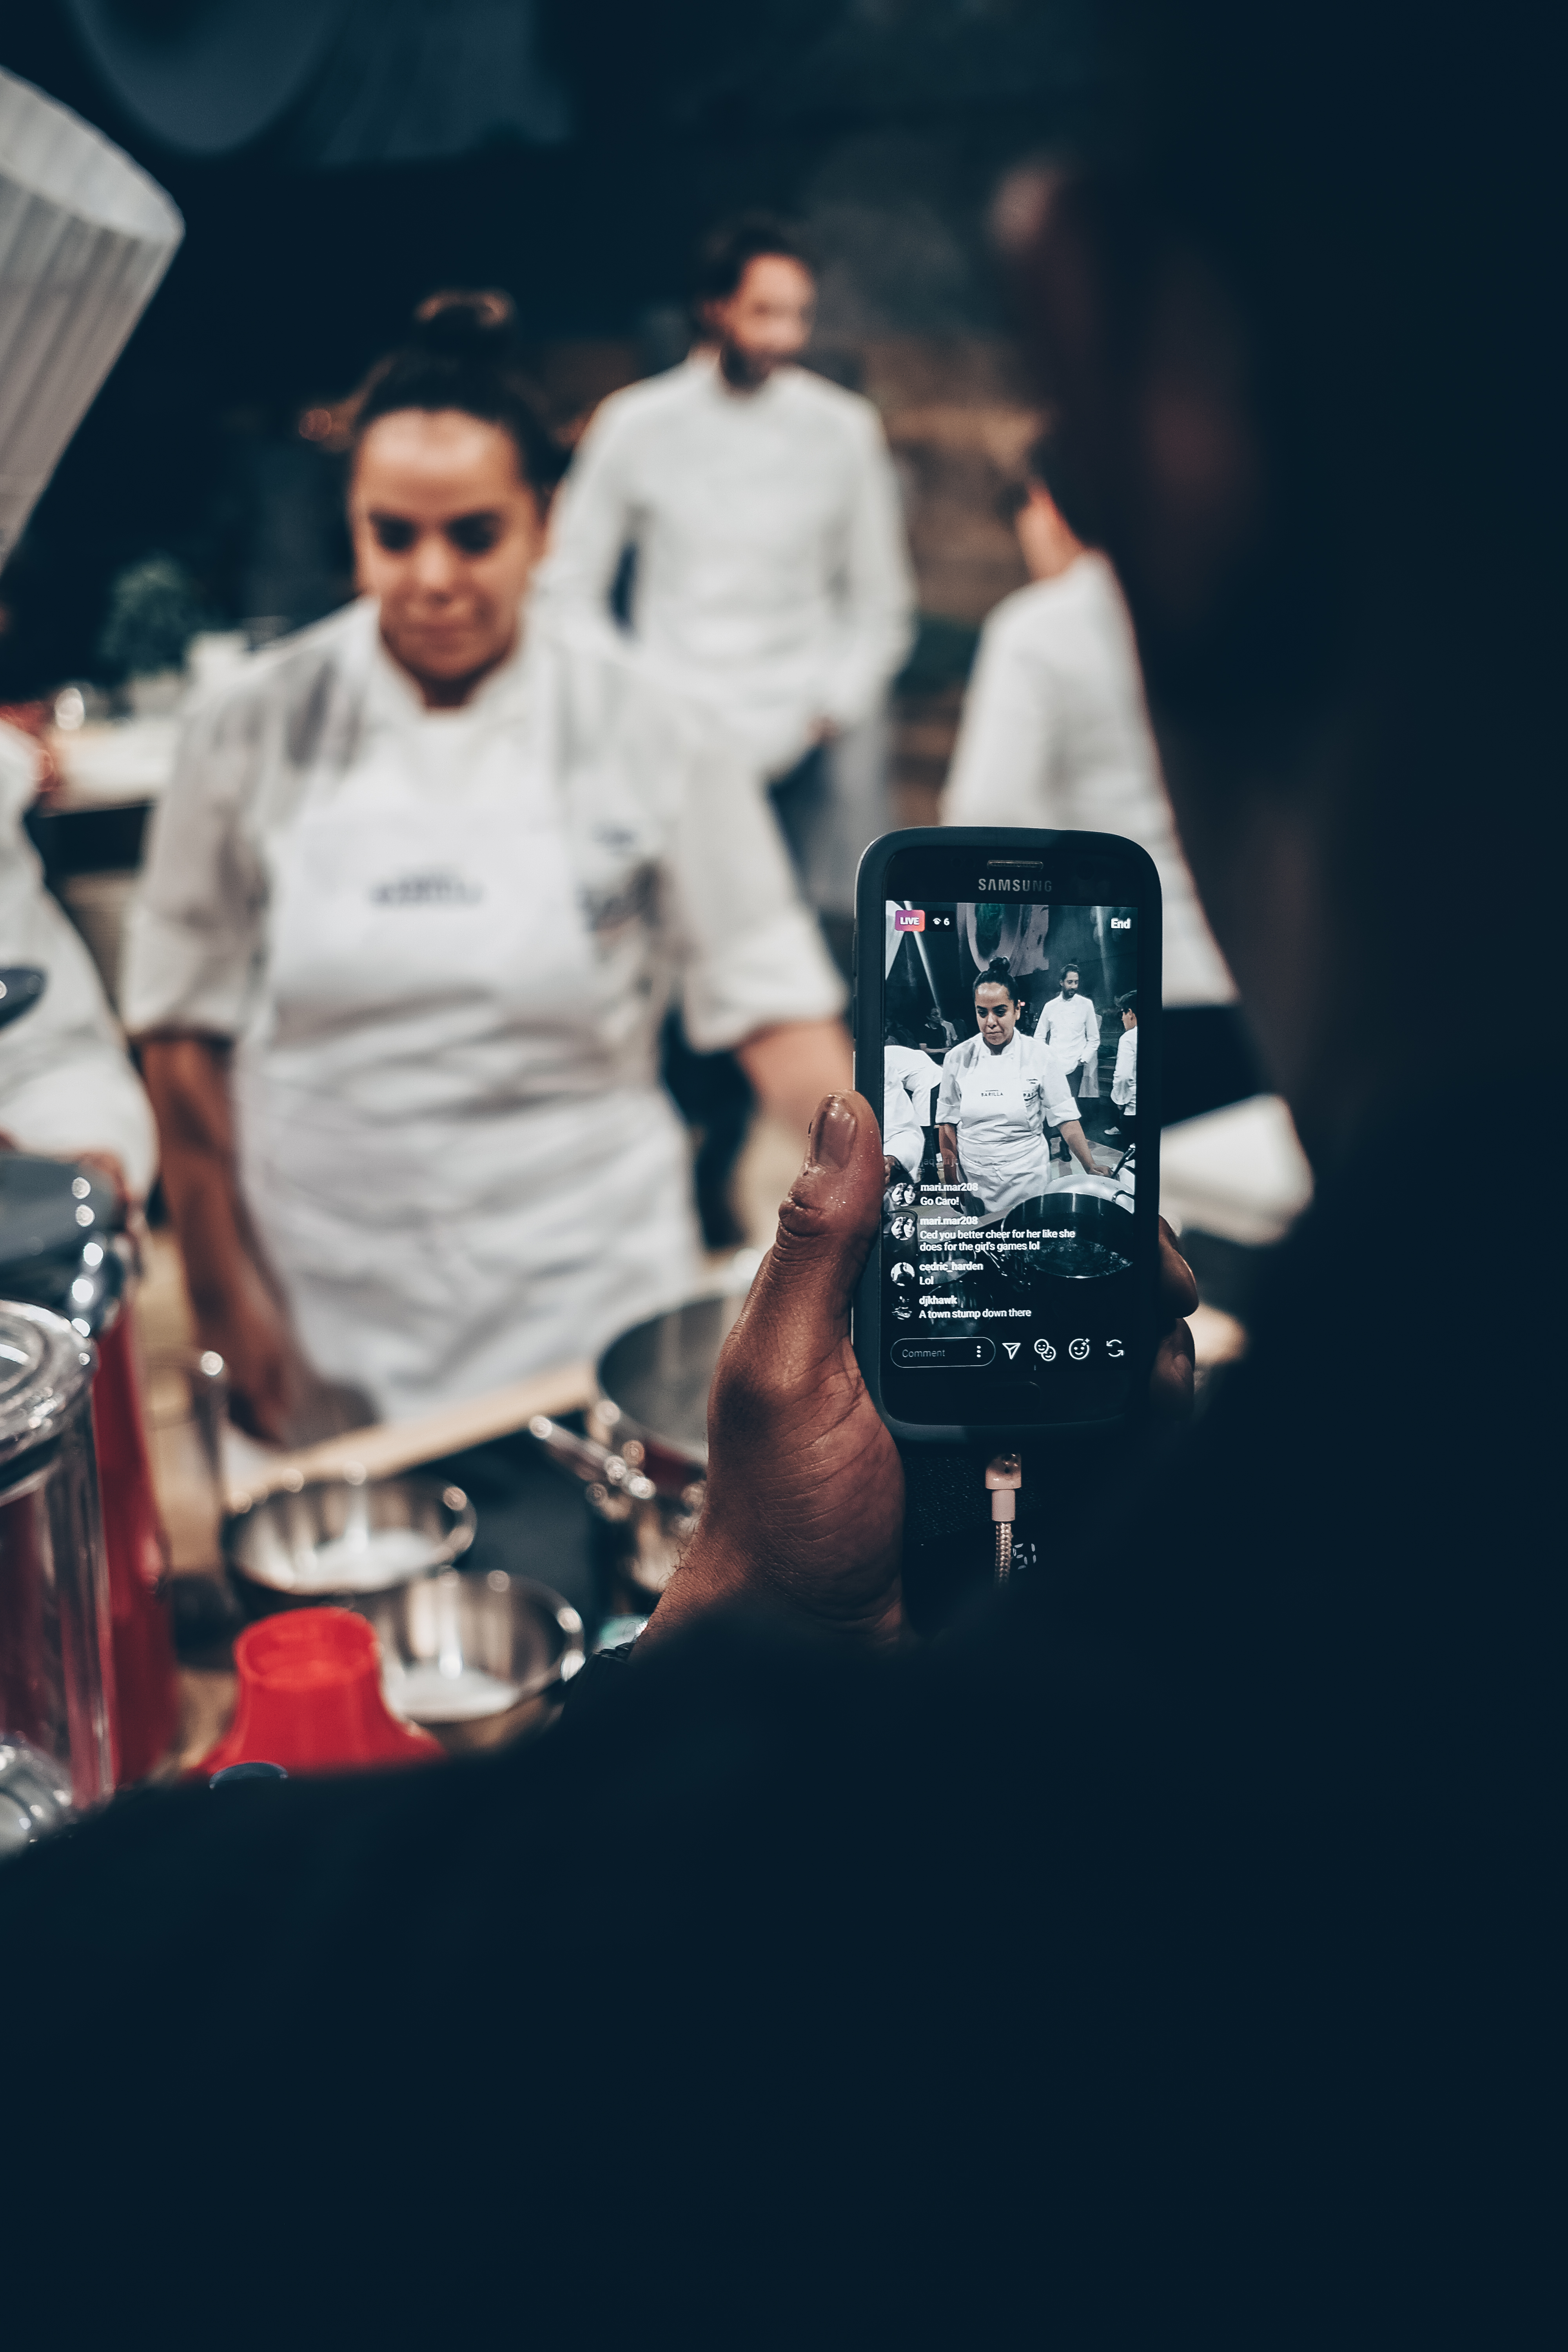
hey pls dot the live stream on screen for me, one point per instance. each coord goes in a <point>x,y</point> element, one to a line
<point>1010,1107</point>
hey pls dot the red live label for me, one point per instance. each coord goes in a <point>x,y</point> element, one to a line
<point>909,918</point>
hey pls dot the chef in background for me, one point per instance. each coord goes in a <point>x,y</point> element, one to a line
<point>419,891</point>
<point>908,1080</point>
<point>771,573</point>
<point>86,237</point>
<point>1069,1024</point>
<point>1124,1085</point>
<point>753,508</point>
<point>67,1090</point>
<point>1056,733</point>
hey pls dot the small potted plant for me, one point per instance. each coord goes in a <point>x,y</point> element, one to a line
<point>154,611</point>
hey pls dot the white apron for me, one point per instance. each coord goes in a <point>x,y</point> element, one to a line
<point>1002,1150</point>
<point>451,1183</point>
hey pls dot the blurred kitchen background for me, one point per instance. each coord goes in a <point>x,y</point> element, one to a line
<point>337,159</point>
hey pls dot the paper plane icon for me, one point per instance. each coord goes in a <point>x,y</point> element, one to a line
<point>1011,1348</point>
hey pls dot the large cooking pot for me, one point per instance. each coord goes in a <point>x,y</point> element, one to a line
<point>1085,1237</point>
<point>62,1246</point>
<point>1089,1237</point>
<point>56,1666</point>
<point>643,1461</point>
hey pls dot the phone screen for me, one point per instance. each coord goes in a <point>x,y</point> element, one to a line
<point>1010,1082</point>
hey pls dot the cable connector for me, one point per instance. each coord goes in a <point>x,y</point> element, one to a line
<point>1002,1479</point>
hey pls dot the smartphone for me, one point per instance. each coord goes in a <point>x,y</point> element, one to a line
<point>1007,1028</point>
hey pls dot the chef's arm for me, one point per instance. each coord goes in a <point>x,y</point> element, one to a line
<point>792,1066</point>
<point>947,1144</point>
<point>591,523</point>
<point>236,1311</point>
<point>1073,1137</point>
<point>876,620</point>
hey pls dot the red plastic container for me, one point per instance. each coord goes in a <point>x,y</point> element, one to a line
<point>309,1699</point>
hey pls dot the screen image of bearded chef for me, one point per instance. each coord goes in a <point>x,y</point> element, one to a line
<point>999,1088</point>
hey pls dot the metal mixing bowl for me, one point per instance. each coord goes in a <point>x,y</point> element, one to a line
<point>475,1659</point>
<point>339,1541</point>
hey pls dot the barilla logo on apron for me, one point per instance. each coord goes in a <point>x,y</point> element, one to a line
<point>436,889</point>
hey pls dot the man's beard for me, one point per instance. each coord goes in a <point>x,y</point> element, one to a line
<point>741,369</point>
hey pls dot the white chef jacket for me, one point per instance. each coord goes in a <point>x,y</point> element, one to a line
<point>999,1103</point>
<point>909,1079</point>
<point>66,1081</point>
<point>1070,1026</point>
<point>444,943</point>
<point>1056,733</point>
<point>916,1073</point>
<point>902,1137</point>
<point>1124,1085</point>
<point>771,576</point>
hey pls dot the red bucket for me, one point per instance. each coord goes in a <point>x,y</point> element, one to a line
<point>310,1698</point>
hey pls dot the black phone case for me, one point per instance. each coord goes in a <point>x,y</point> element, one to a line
<point>1056,847</point>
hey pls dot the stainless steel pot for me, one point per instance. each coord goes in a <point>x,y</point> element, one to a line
<point>56,1666</point>
<point>644,1461</point>
<point>476,1660</point>
<point>342,1537</point>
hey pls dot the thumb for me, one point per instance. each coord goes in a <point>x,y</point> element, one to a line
<point>827,1224</point>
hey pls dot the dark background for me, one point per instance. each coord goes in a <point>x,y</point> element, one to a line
<point>1106,970</point>
<point>884,124</point>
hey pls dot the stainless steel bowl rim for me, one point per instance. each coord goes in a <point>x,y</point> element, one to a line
<point>257,1512</point>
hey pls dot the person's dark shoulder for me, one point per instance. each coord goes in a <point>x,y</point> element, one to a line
<point>1335,1581</point>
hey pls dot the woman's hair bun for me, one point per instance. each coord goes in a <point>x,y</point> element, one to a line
<point>998,973</point>
<point>467,325</point>
<point>463,354</point>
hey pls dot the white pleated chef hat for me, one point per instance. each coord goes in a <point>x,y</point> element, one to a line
<point>85,236</point>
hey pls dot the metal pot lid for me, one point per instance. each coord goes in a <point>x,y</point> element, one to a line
<point>47,1207</point>
<point>45,1368</point>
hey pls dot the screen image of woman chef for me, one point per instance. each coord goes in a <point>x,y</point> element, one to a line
<point>421,887</point>
<point>998,1088</point>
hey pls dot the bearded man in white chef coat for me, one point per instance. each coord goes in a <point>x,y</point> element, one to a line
<point>770,572</point>
<point>1069,1025</point>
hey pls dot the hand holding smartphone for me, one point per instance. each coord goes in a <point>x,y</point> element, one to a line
<point>1006,1020</point>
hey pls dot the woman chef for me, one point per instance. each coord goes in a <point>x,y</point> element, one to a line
<point>421,887</point>
<point>998,1088</point>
